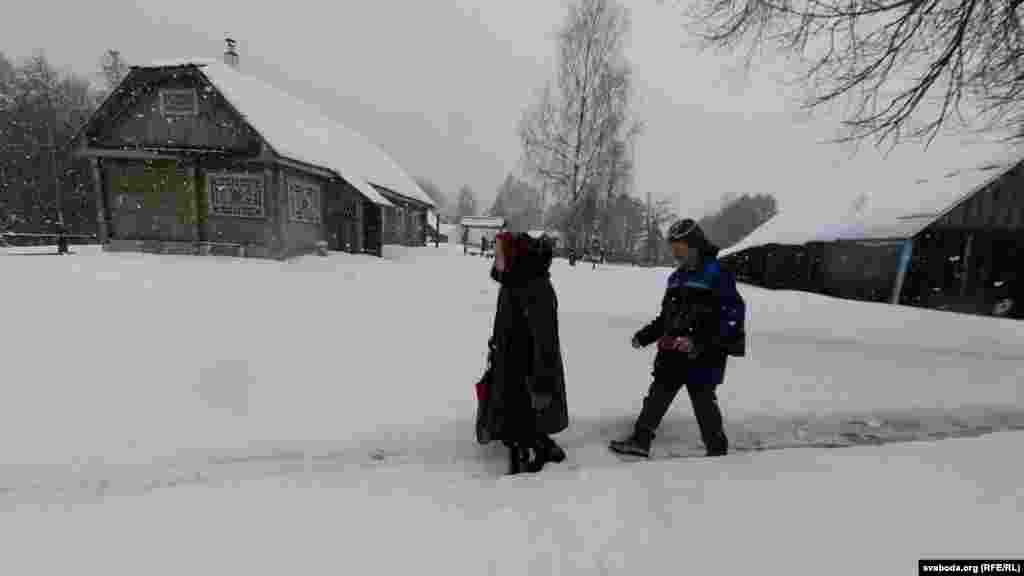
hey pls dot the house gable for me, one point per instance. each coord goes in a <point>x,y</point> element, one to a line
<point>173,109</point>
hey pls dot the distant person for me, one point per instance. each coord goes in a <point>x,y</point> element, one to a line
<point>62,239</point>
<point>596,254</point>
<point>700,325</point>
<point>523,398</point>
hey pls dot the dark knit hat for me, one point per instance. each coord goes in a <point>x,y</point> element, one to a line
<point>687,230</point>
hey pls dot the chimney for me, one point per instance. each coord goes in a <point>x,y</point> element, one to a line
<point>230,55</point>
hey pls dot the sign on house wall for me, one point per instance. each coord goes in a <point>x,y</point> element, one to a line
<point>178,102</point>
<point>235,194</point>
<point>303,200</point>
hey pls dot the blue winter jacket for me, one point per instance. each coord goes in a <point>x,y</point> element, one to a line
<point>720,335</point>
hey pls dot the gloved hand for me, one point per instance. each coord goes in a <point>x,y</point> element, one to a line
<point>636,343</point>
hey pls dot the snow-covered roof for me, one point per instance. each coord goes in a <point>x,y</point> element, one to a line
<point>937,196</point>
<point>898,210</point>
<point>482,221</point>
<point>300,131</point>
<point>794,227</point>
<point>538,232</point>
<point>175,62</point>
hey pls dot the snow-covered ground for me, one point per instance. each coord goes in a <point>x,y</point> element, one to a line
<point>167,414</point>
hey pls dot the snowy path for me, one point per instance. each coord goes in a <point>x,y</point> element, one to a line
<point>862,510</point>
<point>449,450</point>
<point>236,403</point>
<point>213,415</point>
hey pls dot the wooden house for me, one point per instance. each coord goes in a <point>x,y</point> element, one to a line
<point>192,156</point>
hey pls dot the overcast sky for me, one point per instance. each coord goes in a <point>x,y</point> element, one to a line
<point>440,86</point>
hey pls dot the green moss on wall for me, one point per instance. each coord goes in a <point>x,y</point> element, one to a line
<point>162,183</point>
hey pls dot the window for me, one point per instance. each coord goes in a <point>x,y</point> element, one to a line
<point>303,200</point>
<point>178,102</point>
<point>236,194</point>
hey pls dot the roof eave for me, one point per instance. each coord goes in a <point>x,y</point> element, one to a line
<point>970,194</point>
<point>384,190</point>
<point>328,173</point>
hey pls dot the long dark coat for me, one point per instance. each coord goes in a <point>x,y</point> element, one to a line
<point>525,355</point>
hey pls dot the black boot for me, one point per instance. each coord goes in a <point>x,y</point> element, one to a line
<point>637,444</point>
<point>551,451</point>
<point>525,457</point>
<point>518,458</point>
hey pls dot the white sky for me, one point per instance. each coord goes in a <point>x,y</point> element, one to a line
<point>441,85</point>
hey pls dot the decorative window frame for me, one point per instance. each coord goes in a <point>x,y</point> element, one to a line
<point>217,206</point>
<point>305,200</point>
<point>178,113</point>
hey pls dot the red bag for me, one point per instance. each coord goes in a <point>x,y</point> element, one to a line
<point>685,345</point>
<point>483,435</point>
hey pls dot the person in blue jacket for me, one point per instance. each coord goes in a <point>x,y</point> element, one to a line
<point>700,325</point>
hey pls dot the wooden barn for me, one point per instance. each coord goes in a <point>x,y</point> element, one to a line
<point>968,257</point>
<point>959,249</point>
<point>473,228</point>
<point>195,157</point>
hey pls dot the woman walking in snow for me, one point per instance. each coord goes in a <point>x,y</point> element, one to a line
<point>701,324</point>
<point>525,381</point>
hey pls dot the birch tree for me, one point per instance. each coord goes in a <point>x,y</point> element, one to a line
<point>569,134</point>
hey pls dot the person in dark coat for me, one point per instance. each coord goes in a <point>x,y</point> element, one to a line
<point>62,239</point>
<point>525,383</point>
<point>700,325</point>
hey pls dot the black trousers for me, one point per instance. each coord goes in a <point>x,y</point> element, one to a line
<point>659,398</point>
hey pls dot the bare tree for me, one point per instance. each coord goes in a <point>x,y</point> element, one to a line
<point>6,83</point>
<point>617,174</point>
<point>738,218</point>
<point>466,204</point>
<point>519,203</point>
<point>39,179</point>
<point>891,59</point>
<point>113,69</point>
<point>434,192</point>
<point>568,133</point>
<point>661,214</point>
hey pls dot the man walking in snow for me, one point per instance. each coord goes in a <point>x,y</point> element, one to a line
<point>700,325</point>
